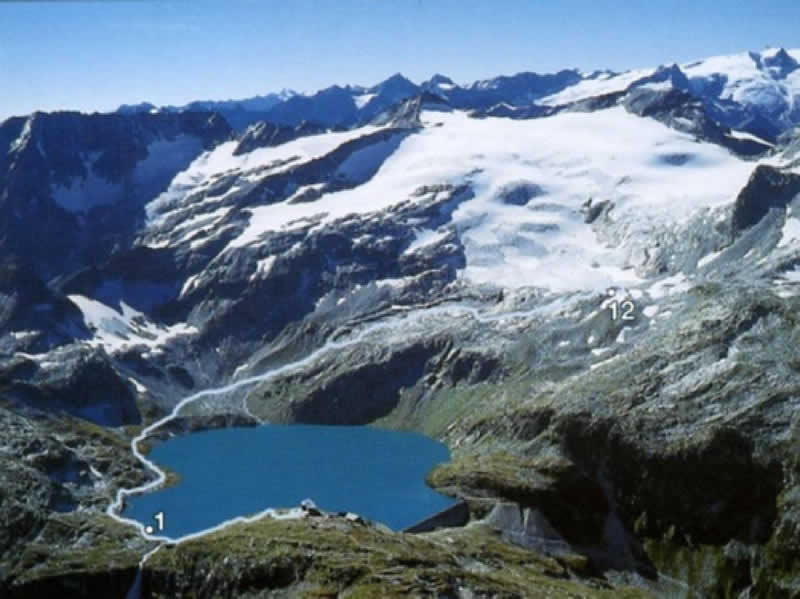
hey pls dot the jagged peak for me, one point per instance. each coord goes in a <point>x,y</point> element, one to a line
<point>429,97</point>
<point>285,93</point>
<point>671,75</point>
<point>396,82</point>
<point>524,77</point>
<point>779,61</point>
<point>438,78</point>
<point>134,108</point>
<point>673,68</point>
<point>597,74</point>
<point>335,88</point>
<point>406,114</point>
<point>395,78</point>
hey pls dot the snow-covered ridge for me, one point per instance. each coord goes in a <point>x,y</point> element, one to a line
<point>748,77</point>
<point>204,171</point>
<point>595,86</point>
<point>524,224</point>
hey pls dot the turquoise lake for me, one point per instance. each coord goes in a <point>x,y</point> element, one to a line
<point>225,473</point>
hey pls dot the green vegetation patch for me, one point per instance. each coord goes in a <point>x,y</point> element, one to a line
<point>333,557</point>
<point>78,543</point>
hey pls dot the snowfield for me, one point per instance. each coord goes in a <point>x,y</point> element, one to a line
<point>652,174</point>
<point>638,176</point>
<point>221,160</point>
<point>604,83</point>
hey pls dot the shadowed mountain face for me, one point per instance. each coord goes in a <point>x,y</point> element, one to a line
<point>585,284</point>
<point>74,186</point>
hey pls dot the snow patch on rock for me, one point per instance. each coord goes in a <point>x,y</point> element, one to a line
<point>121,330</point>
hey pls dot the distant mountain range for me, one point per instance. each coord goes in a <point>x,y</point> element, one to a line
<point>758,92</point>
<point>238,113</point>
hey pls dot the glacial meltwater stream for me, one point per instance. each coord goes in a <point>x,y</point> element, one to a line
<point>378,474</point>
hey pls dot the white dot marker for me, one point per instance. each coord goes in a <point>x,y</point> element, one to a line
<point>148,530</point>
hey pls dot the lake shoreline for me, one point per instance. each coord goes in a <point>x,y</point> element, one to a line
<point>306,456</point>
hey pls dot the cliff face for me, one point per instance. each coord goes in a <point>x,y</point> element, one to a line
<point>73,186</point>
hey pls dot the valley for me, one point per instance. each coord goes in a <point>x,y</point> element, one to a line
<point>577,292</point>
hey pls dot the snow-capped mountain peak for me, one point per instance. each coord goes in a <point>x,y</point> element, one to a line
<point>394,84</point>
<point>439,79</point>
<point>779,62</point>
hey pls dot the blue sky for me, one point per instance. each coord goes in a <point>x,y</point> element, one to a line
<point>97,55</point>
